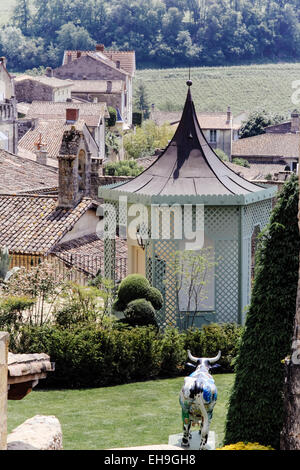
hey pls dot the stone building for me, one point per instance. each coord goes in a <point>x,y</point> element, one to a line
<point>8,113</point>
<point>92,114</point>
<point>101,65</point>
<point>42,141</point>
<point>50,213</point>
<point>269,148</point>
<point>41,88</point>
<point>220,129</point>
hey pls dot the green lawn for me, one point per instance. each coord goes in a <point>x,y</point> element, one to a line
<point>127,415</point>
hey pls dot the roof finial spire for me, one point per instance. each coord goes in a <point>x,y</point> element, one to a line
<point>189,82</point>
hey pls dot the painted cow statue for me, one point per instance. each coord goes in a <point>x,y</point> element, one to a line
<point>197,398</point>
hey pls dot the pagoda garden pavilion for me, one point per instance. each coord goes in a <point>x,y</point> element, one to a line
<point>188,179</point>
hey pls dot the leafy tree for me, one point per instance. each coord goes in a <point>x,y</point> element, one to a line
<point>22,15</point>
<point>141,100</point>
<point>256,404</point>
<point>70,36</point>
<point>257,122</point>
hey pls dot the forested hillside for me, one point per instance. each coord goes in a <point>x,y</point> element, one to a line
<point>171,33</point>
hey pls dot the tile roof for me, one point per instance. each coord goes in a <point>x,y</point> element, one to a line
<point>20,174</point>
<point>97,86</point>
<point>87,254</point>
<point>34,224</point>
<point>257,171</point>
<point>91,113</point>
<point>126,58</point>
<point>269,144</point>
<point>53,82</point>
<point>51,132</point>
<point>206,120</point>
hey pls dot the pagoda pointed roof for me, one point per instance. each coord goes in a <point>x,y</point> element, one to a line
<point>189,167</point>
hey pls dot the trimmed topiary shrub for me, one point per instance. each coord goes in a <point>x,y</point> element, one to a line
<point>256,404</point>
<point>140,312</point>
<point>155,297</point>
<point>134,286</point>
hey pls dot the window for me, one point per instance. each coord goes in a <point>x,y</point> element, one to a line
<point>213,136</point>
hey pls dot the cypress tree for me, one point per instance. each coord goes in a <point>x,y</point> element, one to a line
<point>255,411</point>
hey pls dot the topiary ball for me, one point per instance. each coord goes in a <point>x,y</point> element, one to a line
<point>155,297</point>
<point>134,286</point>
<point>140,312</point>
<point>118,306</point>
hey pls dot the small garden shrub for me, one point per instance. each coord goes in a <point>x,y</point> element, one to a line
<point>134,286</point>
<point>140,312</point>
<point>155,297</point>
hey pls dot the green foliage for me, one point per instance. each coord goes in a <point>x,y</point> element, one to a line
<point>162,32</point>
<point>141,100</point>
<point>222,155</point>
<point>111,121</point>
<point>257,122</point>
<point>256,404</point>
<point>140,312</point>
<point>93,356</point>
<point>134,286</point>
<point>123,168</point>
<point>241,162</point>
<point>155,297</point>
<point>145,139</point>
<point>112,144</point>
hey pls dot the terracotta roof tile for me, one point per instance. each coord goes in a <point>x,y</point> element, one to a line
<point>90,113</point>
<point>51,132</point>
<point>53,82</point>
<point>87,254</point>
<point>279,145</point>
<point>20,174</point>
<point>34,224</point>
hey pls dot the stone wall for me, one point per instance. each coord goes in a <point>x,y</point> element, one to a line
<point>30,90</point>
<point>3,388</point>
<point>88,68</point>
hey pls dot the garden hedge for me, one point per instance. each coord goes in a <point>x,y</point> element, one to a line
<point>93,357</point>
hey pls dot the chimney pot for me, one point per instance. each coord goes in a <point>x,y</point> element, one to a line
<point>295,121</point>
<point>99,47</point>
<point>228,114</point>
<point>78,54</point>
<point>72,114</point>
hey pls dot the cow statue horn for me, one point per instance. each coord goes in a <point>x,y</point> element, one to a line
<point>192,358</point>
<point>215,359</point>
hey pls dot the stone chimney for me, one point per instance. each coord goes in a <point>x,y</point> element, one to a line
<point>74,170</point>
<point>295,121</point>
<point>68,194</point>
<point>69,57</point>
<point>72,115</point>
<point>49,72</point>
<point>78,54</point>
<point>41,151</point>
<point>229,115</point>
<point>99,47</point>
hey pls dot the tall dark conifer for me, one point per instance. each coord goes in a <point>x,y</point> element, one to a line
<point>256,404</point>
